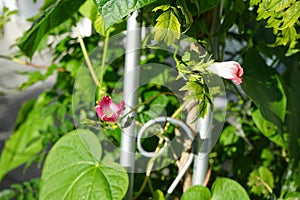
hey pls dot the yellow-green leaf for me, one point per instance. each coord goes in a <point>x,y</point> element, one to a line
<point>167,28</point>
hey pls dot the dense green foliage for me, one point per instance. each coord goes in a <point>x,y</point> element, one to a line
<point>258,150</point>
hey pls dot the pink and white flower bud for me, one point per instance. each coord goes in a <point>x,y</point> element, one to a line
<point>107,110</point>
<point>230,70</point>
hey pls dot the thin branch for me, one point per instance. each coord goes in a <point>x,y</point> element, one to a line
<point>22,62</point>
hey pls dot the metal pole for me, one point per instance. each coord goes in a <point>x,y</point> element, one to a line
<point>202,149</point>
<point>203,142</point>
<point>131,82</point>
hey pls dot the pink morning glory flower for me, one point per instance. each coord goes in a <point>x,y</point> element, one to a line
<point>107,110</point>
<point>230,70</point>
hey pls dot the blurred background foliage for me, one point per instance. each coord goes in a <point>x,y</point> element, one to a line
<point>259,145</point>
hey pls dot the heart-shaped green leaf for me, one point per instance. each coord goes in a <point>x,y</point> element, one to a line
<point>227,189</point>
<point>73,170</point>
<point>196,192</point>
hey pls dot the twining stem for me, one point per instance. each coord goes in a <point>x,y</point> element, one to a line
<point>103,62</point>
<point>87,59</point>
<point>152,160</point>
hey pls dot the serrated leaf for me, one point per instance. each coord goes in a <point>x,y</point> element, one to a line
<point>292,47</point>
<point>167,28</point>
<point>278,5</point>
<point>73,169</point>
<point>273,22</point>
<point>202,107</point>
<point>254,2</point>
<point>227,189</point>
<point>53,17</point>
<point>113,11</point>
<point>291,15</point>
<point>262,12</point>
<point>195,192</point>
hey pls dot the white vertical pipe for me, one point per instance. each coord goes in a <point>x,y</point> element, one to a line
<point>202,149</point>
<point>131,83</point>
<point>204,125</point>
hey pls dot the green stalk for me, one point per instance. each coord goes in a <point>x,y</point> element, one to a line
<point>87,59</point>
<point>103,63</point>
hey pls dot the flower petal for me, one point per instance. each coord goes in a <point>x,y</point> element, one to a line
<point>229,70</point>
<point>107,110</point>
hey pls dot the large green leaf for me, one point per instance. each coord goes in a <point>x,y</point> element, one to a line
<point>53,17</point>
<point>73,170</point>
<point>26,140</point>
<point>262,84</point>
<point>222,189</point>
<point>195,192</point>
<point>227,189</point>
<point>292,80</point>
<point>114,10</point>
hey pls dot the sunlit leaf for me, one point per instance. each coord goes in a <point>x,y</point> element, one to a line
<point>254,2</point>
<point>158,195</point>
<point>167,28</point>
<point>74,169</point>
<point>89,10</point>
<point>278,5</point>
<point>195,192</point>
<point>227,189</point>
<point>113,10</point>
